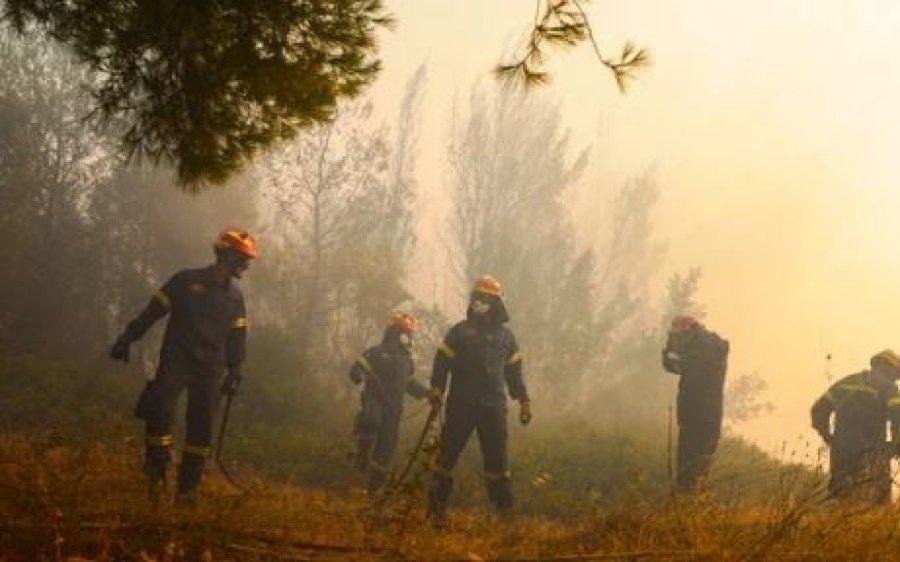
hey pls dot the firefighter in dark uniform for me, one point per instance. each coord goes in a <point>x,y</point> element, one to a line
<point>386,372</point>
<point>699,357</point>
<point>481,359</point>
<point>202,351</point>
<point>860,454</point>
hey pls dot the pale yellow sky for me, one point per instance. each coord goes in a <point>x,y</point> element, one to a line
<point>773,128</point>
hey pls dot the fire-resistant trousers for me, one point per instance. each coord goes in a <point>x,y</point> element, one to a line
<point>156,407</point>
<point>376,432</point>
<point>489,421</point>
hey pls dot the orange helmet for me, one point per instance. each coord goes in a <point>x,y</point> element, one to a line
<point>684,322</point>
<point>403,321</point>
<point>488,285</point>
<point>238,240</point>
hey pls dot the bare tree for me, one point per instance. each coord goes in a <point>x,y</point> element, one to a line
<point>49,164</point>
<point>510,166</point>
<point>338,203</point>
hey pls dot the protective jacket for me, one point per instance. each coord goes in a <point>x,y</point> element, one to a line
<point>701,364</point>
<point>859,458</point>
<point>482,361</point>
<point>386,370</point>
<point>206,323</point>
<point>861,404</point>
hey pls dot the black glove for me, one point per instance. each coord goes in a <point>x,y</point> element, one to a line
<point>231,382</point>
<point>525,412</point>
<point>119,350</point>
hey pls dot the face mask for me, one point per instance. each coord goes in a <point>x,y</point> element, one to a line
<point>480,307</point>
<point>237,264</point>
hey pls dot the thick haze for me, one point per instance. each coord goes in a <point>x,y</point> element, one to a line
<point>772,129</point>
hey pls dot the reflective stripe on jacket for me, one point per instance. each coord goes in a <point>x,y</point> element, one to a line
<point>207,321</point>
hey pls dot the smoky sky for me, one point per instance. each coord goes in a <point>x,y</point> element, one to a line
<point>771,128</point>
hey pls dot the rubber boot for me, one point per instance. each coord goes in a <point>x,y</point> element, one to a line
<point>438,495</point>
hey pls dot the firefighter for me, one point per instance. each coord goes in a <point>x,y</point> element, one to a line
<point>860,455</point>
<point>481,359</point>
<point>699,357</point>
<point>386,373</point>
<point>202,351</point>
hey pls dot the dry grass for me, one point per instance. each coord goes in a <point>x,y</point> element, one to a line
<point>59,503</point>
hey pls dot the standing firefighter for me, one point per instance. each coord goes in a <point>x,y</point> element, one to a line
<point>204,340</point>
<point>387,371</point>
<point>481,357</point>
<point>699,357</point>
<point>861,405</point>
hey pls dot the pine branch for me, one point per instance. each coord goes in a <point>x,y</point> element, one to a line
<point>564,24</point>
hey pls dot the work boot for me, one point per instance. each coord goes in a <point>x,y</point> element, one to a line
<point>156,489</point>
<point>377,479</point>
<point>438,494</point>
<point>187,498</point>
<point>189,473</point>
<point>156,464</point>
<point>439,521</point>
<point>500,494</point>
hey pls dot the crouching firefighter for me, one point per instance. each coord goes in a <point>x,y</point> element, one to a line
<point>481,358</point>
<point>202,351</point>
<point>386,373</point>
<point>860,405</point>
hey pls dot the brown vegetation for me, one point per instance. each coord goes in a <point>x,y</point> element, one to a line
<point>62,503</point>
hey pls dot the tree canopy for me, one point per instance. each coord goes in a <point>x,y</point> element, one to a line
<point>207,84</point>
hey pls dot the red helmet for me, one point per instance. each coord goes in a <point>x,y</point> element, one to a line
<point>404,321</point>
<point>238,240</point>
<point>684,322</point>
<point>488,285</point>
